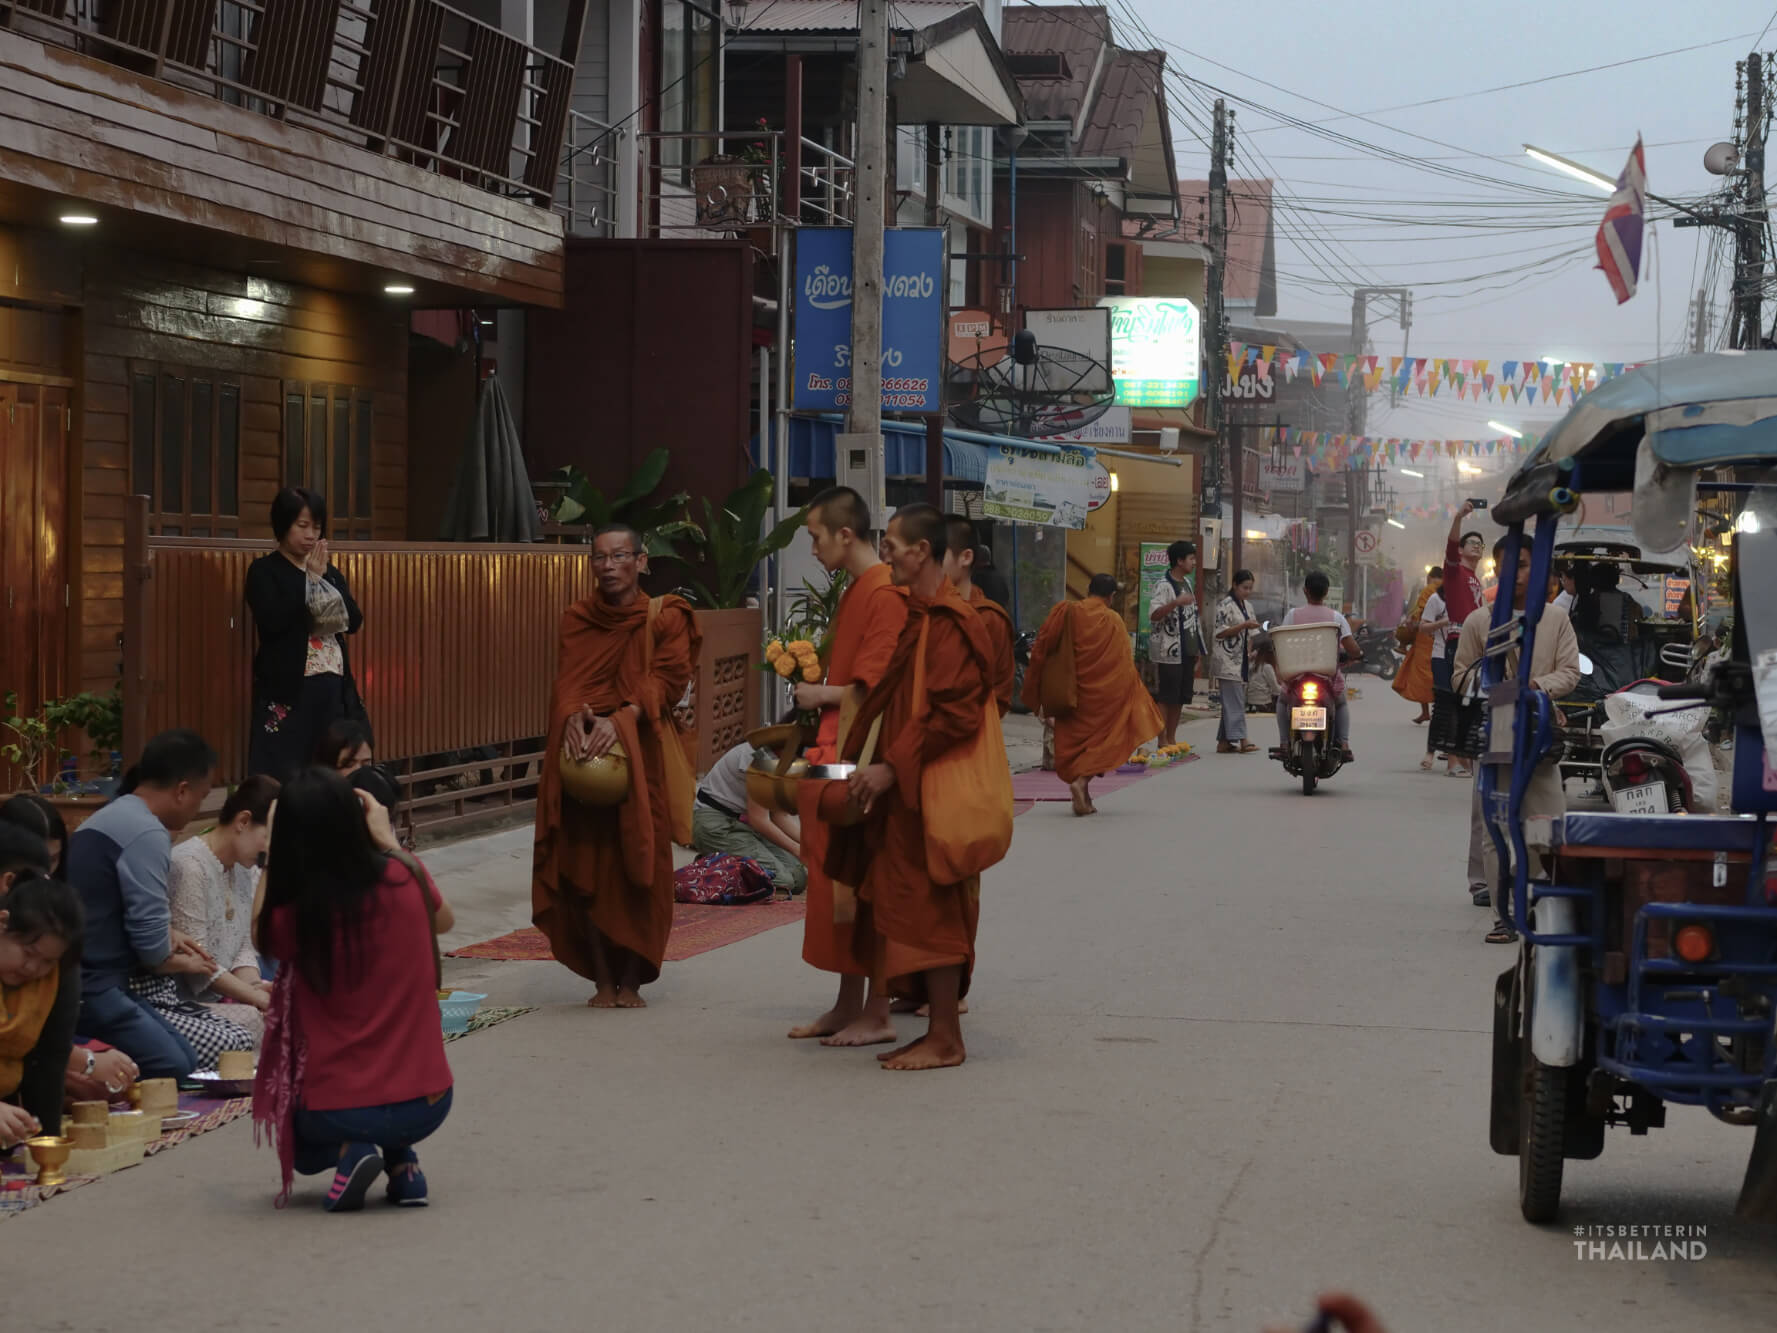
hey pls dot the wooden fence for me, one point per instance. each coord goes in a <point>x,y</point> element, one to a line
<point>458,652</point>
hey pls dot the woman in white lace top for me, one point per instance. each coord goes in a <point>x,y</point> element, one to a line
<point>210,889</point>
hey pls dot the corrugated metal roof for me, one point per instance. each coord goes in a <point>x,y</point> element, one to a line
<point>1077,32</point>
<point>1129,93</point>
<point>842,15</point>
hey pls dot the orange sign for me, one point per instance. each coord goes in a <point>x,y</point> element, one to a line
<point>971,334</point>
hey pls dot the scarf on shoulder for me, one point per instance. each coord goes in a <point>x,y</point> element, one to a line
<point>277,1084</point>
<point>23,1012</point>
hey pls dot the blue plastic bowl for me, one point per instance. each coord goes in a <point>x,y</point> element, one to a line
<point>459,1009</point>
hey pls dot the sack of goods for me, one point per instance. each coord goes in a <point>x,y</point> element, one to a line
<point>1626,714</point>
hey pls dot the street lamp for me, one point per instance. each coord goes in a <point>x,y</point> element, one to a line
<point>1409,472</point>
<point>1396,523</point>
<point>1572,168</point>
<point>1468,469</point>
<point>738,10</point>
<point>1504,429</point>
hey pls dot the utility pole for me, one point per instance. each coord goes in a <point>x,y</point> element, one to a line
<point>1218,331</point>
<point>1700,322</point>
<point>863,417</point>
<point>934,218</point>
<point>1749,271</point>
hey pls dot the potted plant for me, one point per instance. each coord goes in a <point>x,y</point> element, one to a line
<point>735,541</point>
<point>662,523</point>
<point>37,744</point>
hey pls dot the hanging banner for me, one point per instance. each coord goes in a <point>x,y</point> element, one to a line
<point>913,325</point>
<point>1032,486</point>
<point>1156,350</point>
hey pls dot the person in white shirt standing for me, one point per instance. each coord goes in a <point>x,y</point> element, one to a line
<point>1175,637</point>
<point>1233,663</point>
<point>1436,619</point>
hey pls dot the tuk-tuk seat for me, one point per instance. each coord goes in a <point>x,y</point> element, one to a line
<point>1657,833</point>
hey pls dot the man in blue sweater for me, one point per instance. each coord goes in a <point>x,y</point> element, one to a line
<point>118,861</point>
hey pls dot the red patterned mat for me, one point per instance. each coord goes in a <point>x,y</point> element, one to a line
<point>697,928</point>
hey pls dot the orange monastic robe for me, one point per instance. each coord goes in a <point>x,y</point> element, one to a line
<point>871,614</point>
<point>1115,712</point>
<point>609,872</point>
<point>915,923</point>
<point>999,628</point>
<point>1413,680</point>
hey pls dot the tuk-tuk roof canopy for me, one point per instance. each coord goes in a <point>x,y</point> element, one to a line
<point>1698,411</point>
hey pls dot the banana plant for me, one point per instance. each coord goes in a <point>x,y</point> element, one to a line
<point>662,523</point>
<point>736,541</point>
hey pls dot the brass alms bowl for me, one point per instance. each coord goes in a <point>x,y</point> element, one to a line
<point>50,1154</point>
<point>597,782</point>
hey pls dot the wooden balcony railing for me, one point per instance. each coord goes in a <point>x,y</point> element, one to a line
<point>414,79</point>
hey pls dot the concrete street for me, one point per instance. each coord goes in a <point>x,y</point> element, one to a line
<point>1229,1047</point>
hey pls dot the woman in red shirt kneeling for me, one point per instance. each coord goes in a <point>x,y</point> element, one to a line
<point>353,1072</point>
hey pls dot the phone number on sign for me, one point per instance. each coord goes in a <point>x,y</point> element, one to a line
<point>906,386</point>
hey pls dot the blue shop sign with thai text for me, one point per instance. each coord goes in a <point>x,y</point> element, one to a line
<point>912,319</point>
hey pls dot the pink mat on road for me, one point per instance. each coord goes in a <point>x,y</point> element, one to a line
<point>1038,785</point>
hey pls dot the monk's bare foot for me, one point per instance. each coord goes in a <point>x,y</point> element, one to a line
<point>1082,803</point>
<point>906,1007</point>
<point>929,1053</point>
<point>826,1025</point>
<point>899,1051</point>
<point>604,998</point>
<point>864,1030</point>
<point>630,999</point>
<point>925,1010</point>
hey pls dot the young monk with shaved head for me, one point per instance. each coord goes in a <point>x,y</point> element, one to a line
<point>871,614</point>
<point>924,931</point>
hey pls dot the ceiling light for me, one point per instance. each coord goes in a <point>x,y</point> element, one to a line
<point>397,289</point>
<point>1468,469</point>
<point>1409,472</point>
<point>1504,429</point>
<point>79,220</point>
<point>1254,535</point>
<point>1396,523</point>
<point>1114,481</point>
<point>1747,522</point>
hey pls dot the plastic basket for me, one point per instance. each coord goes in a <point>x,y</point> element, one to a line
<point>459,1009</point>
<point>1306,650</point>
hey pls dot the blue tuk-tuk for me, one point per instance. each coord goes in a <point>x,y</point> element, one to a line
<point>1647,964</point>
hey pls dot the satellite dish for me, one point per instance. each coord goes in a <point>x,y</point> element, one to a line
<point>1029,391</point>
<point>1722,159</point>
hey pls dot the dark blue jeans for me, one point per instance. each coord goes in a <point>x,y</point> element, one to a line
<point>392,1129</point>
<point>114,1017</point>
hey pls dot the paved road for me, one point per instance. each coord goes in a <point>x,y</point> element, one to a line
<point>1229,1046</point>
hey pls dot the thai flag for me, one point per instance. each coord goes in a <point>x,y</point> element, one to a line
<point>1619,235</point>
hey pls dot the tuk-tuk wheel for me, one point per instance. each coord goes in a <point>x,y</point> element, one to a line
<point>1542,1132</point>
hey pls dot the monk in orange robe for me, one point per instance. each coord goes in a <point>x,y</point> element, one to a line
<point>872,611</point>
<point>602,878</point>
<point>924,931</point>
<point>959,568</point>
<point>1115,712</point>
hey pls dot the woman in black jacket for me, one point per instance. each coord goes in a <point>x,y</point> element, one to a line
<point>302,609</point>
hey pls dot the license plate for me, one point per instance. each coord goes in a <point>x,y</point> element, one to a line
<point>1308,719</point>
<point>1649,799</point>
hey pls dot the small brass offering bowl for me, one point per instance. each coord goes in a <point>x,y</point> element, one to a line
<point>50,1154</point>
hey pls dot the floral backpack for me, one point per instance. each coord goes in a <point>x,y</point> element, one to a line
<point>722,879</point>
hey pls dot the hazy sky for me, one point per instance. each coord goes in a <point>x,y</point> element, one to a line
<point>1473,294</point>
